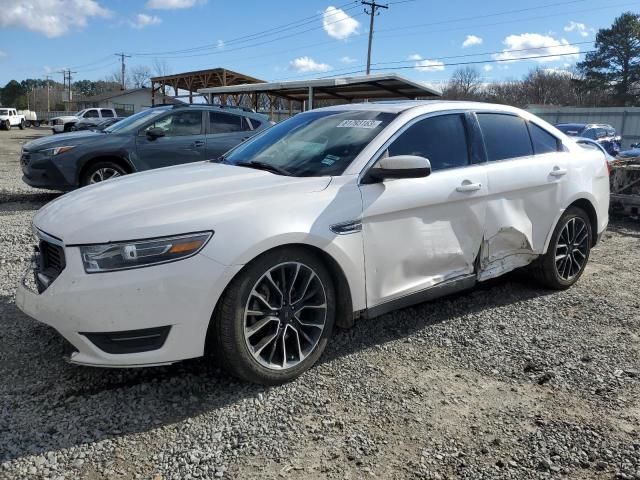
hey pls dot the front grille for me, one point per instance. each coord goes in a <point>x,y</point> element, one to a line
<point>52,262</point>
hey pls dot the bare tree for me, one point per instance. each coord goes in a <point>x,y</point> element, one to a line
<point>116,77</point>
<point>140,76</point>
<point>464,84</point>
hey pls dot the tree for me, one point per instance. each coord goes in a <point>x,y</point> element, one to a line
<point>140,76</point>
<point>465,84</point>
<point>615,64</point>
<point>14,95</point>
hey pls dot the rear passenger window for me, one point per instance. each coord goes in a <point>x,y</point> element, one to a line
<point>441,139</point>
<point>227,123</point>
<point>505,136</point>
<point>543,141</point>
<point>106,113</point>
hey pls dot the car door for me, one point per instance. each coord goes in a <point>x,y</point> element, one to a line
<point>419,233</point>
<point>526,170</point>
<point>183,140</point>
<point>225,131</point>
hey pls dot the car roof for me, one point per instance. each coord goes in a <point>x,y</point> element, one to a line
<point>398,106</point>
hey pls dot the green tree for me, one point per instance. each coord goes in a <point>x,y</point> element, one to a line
<point>614,65</point>
<point>13,95</point>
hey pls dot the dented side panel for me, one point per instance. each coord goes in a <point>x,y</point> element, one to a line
<point>522,206</point>
<point>418,233</point>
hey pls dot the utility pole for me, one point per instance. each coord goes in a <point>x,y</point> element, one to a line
<point>66,74</point>
<point>122,57</point>
<point>48,104</point>
<point>373,6</point>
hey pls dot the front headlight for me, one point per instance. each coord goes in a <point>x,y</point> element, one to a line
<point>50,152</point>
<point>108,257</point>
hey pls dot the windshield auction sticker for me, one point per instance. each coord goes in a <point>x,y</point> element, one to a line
<point>359,124</point>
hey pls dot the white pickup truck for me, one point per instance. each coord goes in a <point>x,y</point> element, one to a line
<point>9,118</point>
<point>65,122</point>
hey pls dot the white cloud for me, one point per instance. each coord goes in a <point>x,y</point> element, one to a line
<point>143,20</point>
<point>338,24</point>
<point>347,59</point>
<point>220,44</point>
<point>3,54</point>
<point>580,28</point>
<point>471,40</point>
<point>429,66</point>
<point>414,56</point>
<point>50,17</point>
<point>487,68</point>
<point>172,4</point>
<point>534,44</point>
<point>308,64</point>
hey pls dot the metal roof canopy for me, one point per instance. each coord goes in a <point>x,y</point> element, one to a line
<point>338,88</point>
<point>196,80</point>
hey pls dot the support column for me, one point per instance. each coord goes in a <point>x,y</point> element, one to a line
<point>310,100</point>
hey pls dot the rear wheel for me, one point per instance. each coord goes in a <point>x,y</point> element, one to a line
<point>274,320</point>
<point>21,126</point>
<point>101,171</point>
<point>568,251</point>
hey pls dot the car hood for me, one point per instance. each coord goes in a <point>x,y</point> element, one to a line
<point>71,138</point>
<point>66,118</point>
<point>168,201</point>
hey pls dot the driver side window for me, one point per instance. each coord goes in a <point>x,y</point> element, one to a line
<point>441,139</point>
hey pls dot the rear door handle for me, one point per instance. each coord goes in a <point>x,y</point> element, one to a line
<point>558,172</point>
<point>198,143</point>
<point>467,186</point>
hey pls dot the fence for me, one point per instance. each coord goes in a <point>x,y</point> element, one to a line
<point>626,120</point>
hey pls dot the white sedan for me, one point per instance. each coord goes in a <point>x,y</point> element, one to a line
<point>335,214</point>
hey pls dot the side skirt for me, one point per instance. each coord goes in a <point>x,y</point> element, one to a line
<point>442,289</point>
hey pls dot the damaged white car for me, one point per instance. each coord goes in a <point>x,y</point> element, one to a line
<point>337,213</point>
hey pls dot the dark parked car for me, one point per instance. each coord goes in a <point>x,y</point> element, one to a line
<point>154,138</point>
<point>91,124</point>
<point>604,134</point>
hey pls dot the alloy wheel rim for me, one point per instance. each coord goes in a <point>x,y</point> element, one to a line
<point>285,315</point>
<point>572,248</point>
<point>103,174</point>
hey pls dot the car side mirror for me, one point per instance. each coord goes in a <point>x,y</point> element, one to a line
<point>399,166</point>
<point>154,133</point>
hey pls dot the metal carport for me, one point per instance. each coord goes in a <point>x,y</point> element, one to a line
<point>337,89</point>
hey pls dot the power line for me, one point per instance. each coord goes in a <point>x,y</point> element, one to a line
<point>264,33</point>
<point>373,6</point>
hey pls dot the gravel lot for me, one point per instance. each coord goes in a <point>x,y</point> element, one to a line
<point>506,381</point>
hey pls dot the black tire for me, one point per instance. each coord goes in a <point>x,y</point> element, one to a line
<point>546,268</point>
<point>68,127</point>
<point>226,336</point>
<point>7,125</point>
<point>36,123</point>
<point>21,126</point>
<point>93,169</point>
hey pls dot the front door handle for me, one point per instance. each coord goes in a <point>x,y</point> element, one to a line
<point>558,172</point>
<point>198,143</point>
<point>467,186</point>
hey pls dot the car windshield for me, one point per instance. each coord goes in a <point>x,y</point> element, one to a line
<point>136,120</point>
<point>312,144</point>
<point>4,112</point>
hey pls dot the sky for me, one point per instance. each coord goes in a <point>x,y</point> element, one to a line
<point>425,40</point>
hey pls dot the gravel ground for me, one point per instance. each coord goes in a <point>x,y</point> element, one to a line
<point>505,381</point>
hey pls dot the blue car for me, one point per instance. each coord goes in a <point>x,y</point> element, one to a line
<point>604,134</point>
<point>154,138</point>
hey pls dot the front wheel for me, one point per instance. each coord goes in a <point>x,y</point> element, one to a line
<point>7,125</point>
<point>275,318</point>
<point>568,251</point>
<point>100,172</point>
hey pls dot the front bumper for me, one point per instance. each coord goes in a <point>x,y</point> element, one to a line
<point>180,295</point>
<point>57,128</point>
<point>42,172</point>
